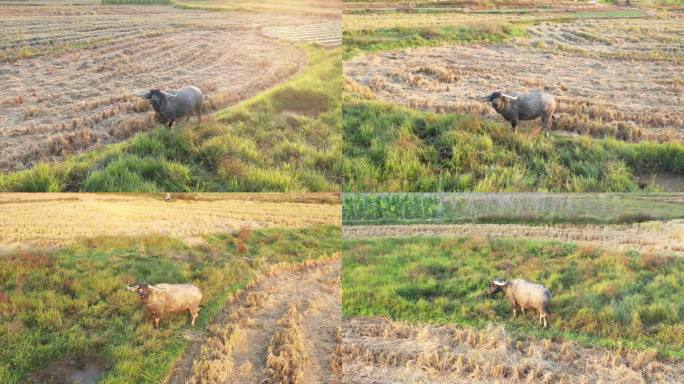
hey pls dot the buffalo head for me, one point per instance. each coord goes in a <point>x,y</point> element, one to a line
<point>496,286</point>
<point>143,290</point>
<point>499,100</point>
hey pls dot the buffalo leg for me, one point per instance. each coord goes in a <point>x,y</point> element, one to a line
<point>542,319</point>
<point>514,124</point>
<point>194,313</point>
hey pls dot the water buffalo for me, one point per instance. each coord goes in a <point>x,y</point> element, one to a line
<point>522,295</point>
<point>524,106</point>
<point>162,299</point>
<point>174,104</point>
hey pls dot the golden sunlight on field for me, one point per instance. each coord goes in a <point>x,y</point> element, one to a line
<point>60,218</point>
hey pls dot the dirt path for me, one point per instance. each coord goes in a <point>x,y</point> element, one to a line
<point>380,351</point>
<point>650,236</point>
<point>284,328</point>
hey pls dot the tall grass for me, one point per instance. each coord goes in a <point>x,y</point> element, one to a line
<point>527,208</point>
<point>283,140</point>
<point>600,297</point>
<point>391,148</point>
<point>73,302</point>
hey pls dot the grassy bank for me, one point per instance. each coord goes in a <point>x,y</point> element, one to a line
<point>600,298</point>
<point>285,139</point>
<point>72,302</point>
<point>391,148</point>
<point>357,41</point>
<point>505,208</point>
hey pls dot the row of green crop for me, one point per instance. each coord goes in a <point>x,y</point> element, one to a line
<point>360,208</point>
<point>388,208</point>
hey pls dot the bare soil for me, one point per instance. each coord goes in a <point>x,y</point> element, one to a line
<point>298,307</point>
<point>70,74</point>
<point>630,98</point>
<point>653,236</point>
<point>381,351</point>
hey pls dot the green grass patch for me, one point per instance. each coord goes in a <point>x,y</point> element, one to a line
<point>619,14</point>
<point>73,301</point>
<point>600,298</point>
<point>500,208</point>
<point>390,148</point>
<point>356,42</point>
<point>286,139</point>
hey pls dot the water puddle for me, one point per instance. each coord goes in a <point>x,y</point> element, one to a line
<point>81,370</point>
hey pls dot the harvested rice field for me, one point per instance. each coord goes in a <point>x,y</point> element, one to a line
<point>654,236</point>
<point>63,218</point>
<point>71,72</point>
<point>419,304</point>
<point>381,351</point>
<point>267,265</point>
<point>415,74</point>
<point>284,328</point>
<point>624,81</point>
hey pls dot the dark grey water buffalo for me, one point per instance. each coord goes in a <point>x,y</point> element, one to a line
<point>524,106</point>
<point>175,104</point>
<point>522,295</point>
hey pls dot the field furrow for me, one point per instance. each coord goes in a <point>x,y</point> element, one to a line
<point>328,33</point>
<point>281,330</point>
